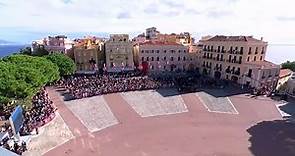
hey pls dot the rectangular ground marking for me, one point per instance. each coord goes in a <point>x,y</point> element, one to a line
<point>217,104</point>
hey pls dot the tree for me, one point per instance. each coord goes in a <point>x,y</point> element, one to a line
<point>289,65</point>
<point>65,64</point>
<point>26,51</point>
<point>40,51</point>
<point>48,71</point>
<point>21,77</point>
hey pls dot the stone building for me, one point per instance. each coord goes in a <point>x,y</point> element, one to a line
<point>119,53</point>
<point>89,54</point>
<point>240,59</point>
<point>164,56</point>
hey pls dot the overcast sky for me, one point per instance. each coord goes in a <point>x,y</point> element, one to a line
<point>24,20</point>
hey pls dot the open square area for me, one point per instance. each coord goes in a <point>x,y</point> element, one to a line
<point>93,112</point>
<point>152,103</point>
<point>196,132</point>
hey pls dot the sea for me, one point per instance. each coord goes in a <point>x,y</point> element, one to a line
<point>6,50</point>
<point>275,53</point>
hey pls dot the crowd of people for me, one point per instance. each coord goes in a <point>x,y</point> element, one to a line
<point>92,85</point>
<point>41,112</point>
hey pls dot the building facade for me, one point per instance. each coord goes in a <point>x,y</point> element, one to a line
<point>285,75</point>
<point>89,54</point>
<point>119,53</point>
<point>164,56</point>
<point>291,86</point>
<point>55,44</point>
<point>240,59</point>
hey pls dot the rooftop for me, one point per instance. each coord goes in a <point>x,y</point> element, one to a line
<point>159,43</point>
<point>285,73</point>
<point>264,64</point>
<point>234,38</point>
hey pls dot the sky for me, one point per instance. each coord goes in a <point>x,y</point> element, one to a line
<point>26,20</point>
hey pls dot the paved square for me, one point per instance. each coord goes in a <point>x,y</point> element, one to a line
<point>51,135</point>
<point>218,105</point>
<point>151,103</point>
<point>93,112</point>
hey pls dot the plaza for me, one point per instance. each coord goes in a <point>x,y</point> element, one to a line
<point>182,125</point>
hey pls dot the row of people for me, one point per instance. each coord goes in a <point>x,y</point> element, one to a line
<point>87,86</point>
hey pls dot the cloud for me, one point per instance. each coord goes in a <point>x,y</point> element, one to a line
<point>124,15</point>
<point>281,18</point>
<point>192,11</point>
<point>2,4</point>
<point>151,9</point>
<point>67,1</point>
<point>218,14</point>
<point>173,3</point>
<point>271,19</point>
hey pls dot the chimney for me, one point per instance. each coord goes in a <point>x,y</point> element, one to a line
<point>261,38</point>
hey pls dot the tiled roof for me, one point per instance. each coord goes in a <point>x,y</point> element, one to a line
<point>285,73</point>
<point>234,38</point>
<point>158,43</point>
<point>264,64</point>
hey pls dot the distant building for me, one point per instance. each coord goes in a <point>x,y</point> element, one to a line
<point>284,76</point>
<point>240,59</point>
<point>119,53</point>
<point>291,86</point>
<point>56,44</point>
<point>151,33</point>
<point>89,54</point>
<point>163,56</point>
<point>141,38</point>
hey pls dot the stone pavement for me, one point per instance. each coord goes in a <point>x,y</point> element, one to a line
<point>217,104</point>
<point>51,135</point>
<point>93,112</point>
<point>151,103</point>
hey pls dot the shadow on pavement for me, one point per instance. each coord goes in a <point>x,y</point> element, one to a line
<point>214,91</point>
<point>273,138</point>
<point>289,108</point>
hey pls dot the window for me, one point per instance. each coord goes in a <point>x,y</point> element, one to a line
<point>179,51</point>
<point>250,50</point>
<point>152,58</point>
<point>158,59</point>
<point>241,50</point>
<point>248,59</point>
<point>164,58</point>
<point>158,51</point>
<point>142,51</point>
<point>184,58</point>
<point>254,58</point>
<point>164,67</point>
<point>262,51</point>
<point>261,58</point>
<point>184,51</point>
<point>171,58</point>
<point>147,59</point>
<point>178,58</point>
<point>142,59</point>
<point>165,51</point>
<point>256,50</point>
<point>146,51</point>
<point>152,51</point>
